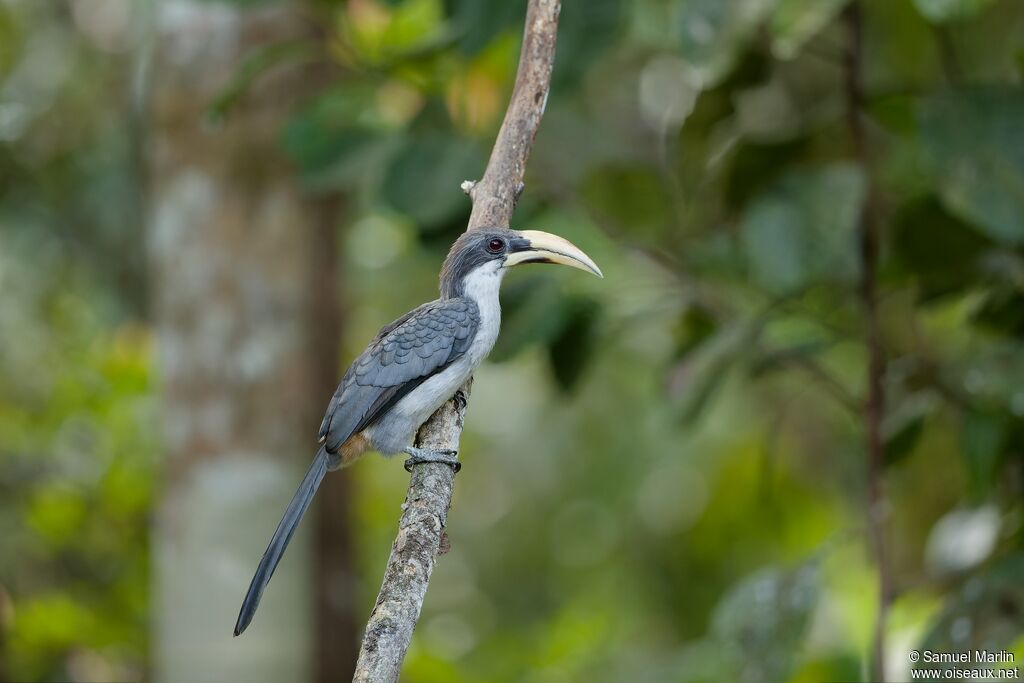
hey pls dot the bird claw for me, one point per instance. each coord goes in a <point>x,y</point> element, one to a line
<point>460,399</point>
<point>445,457</point>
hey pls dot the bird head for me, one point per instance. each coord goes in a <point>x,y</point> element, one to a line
<point>483,256</point>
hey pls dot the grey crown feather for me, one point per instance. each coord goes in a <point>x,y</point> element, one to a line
<point>402,355</point>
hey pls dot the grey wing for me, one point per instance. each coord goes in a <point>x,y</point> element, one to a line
<point>403,355</point>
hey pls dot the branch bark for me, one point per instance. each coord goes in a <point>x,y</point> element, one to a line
<point>425,512</point>
<point>874,406</point>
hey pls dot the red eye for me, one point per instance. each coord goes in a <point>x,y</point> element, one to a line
<point>495,245</point>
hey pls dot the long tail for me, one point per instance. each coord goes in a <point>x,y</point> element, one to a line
<point>285,529</point>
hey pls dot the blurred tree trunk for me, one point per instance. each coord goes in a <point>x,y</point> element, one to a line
<point>337,626</point>
<point>243,287</point>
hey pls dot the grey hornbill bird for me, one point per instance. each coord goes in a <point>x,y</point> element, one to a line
<point>412,367</point>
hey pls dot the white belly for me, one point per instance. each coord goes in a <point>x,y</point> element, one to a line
<point>397,429</point>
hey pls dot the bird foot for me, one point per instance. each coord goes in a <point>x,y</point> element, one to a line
<point>421,455</point>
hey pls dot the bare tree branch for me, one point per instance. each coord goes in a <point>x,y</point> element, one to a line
<point>425,513</point>
<point>874,406</point>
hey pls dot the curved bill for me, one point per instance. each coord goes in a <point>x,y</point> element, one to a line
<point>543,247</point>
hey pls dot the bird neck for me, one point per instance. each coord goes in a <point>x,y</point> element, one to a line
<point>480,284</point>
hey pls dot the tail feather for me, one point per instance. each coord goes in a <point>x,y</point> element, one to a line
<point>279,542</point>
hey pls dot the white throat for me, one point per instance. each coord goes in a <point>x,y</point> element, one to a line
<point>482,286</point>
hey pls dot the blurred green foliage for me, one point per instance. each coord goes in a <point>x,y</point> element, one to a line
<point>666,469</point>
<point>77,448</point>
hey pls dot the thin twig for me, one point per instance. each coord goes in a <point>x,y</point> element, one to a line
<point>874,406</point>
<point>425,513</point>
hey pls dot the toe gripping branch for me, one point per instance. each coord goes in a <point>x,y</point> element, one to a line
<point>445,457</point>
<point>418,456</point>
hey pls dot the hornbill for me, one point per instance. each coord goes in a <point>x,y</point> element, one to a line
<point>412,367</point>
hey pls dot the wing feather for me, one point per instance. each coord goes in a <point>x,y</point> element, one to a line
<point>402,355</point>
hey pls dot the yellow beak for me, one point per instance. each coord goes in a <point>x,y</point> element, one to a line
<point>543,247</point>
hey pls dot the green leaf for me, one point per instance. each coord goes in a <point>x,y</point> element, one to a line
<point>704,371</point>
<point>772,239</point>
<point>1002,310</point>
<point>423,180</point>
<point>987,613</point>
<point>695,326</point>
<point>802,229</point>
<point>715,32</point>
<point>340,140</point>
<point>409,30</point>
<point>777,360</point>
<point>56,514</point>
<point>794,22</point>
<point>582,37</point>
<point>896,112</point>
<point>942,11</point>
<point>901,442</point>
<point>755,165</point>
<point>572,348</point>
<point>10,40</point>
<point>533,312</point>
<point>478,22</point>
<point>633,196</point>
<point>703,387</point>
<point>982,439</point>
<point>338,121</point>
<point>315,148</point>
<point>766,618</point>
<point>973,138</point>
<point>936,248</point>
<point>412,20</point>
